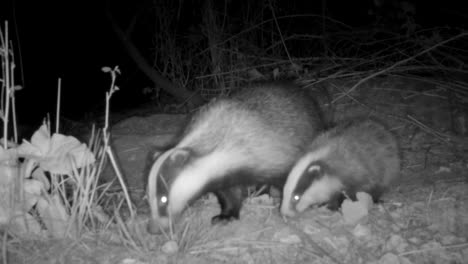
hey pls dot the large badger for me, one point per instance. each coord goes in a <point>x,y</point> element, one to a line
<point>359,155</point>
<point>252,137</point>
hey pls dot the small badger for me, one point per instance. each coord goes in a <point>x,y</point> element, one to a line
<point>253,137</point>
<point>360,155</point>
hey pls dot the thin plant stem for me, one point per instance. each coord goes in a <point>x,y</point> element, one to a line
<point>7,89</point>
<point>279,32</point>
<point>57,116</point>
<point>461,35</point>
<point>106,137</point>
<point>13,101</point>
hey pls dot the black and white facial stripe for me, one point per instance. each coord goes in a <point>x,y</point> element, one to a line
<point>361,155</point>
<point>253,137</point>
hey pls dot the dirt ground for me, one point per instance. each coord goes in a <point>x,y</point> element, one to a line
<point>424,219</point>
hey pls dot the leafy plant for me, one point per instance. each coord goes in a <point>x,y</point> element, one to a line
<point>59,156</point>
<point>49,185</point>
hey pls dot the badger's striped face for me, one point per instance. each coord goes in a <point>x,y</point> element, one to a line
<point>322,185</point>
<point>163,172</point>
<point>309,183</point>
<point>313,173</point>
<point>178,177</point>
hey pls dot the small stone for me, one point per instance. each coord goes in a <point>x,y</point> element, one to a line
<point>311,229</point>
<point>443,169</point>
<point>389,258</point>
<point>361,231</point>
<point>432,245</point>
<point>395,228</point>
<point>415,240</point>
<point>396,243</point>
<point>131,261</point>
<point>449,240</point>
<point>395,214</point>
<point>286,235</point>
<point>291,239</point>
<point>434,227</point>
<point>170,247</point>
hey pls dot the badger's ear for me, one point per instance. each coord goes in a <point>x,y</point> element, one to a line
<point>314,170</point>
<point>180,157</point>
<point>312,173</point>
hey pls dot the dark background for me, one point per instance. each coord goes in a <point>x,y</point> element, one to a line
<point>73,40</point>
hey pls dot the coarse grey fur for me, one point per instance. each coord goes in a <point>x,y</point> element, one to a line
<point>252,137</point>
<point>358,155</point>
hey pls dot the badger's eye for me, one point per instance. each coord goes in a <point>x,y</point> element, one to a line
<point>163,199</point>
<point>296,198</point>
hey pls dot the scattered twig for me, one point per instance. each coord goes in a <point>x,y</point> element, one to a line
<point>321,252</point>
<point>417,251</point>
<point>127,237</point>
<point>427,129</point>
<point>400,63</point>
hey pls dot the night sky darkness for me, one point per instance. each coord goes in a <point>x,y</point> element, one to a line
<point>74,39</point>
<point>67,39</point>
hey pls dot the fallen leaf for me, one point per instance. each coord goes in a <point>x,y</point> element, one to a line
<point>56,154</point>
<point>354,211</point>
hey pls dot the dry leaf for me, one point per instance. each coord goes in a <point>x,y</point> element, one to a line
<point>54,215</point>
<point>24,225</point>
<point>55,154</point>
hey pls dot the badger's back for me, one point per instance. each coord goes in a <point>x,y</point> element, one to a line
<point>362,152</point>
<point>357,156</point>
<point>269,125</point>
<point>252,137</point>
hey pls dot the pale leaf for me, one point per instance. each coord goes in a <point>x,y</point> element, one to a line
<point>24,225</point>
<point>30,200</point>
<point>55,154</point>
<point>54,215</point>
<point>39,145</point>
<point>39,175</point>
<point>33,186</point>
<point>33,189</point>
<point>65,150</point>
<point>41,138</point>
<point>30,165</point>
<point>355,211</point>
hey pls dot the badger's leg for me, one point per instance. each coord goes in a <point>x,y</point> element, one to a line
<point>230,201</point>
<point>376,193</point>
<point>335,201</point>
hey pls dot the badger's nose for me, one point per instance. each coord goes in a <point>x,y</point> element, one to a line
<point>156,226</point>
<point>287,210</point>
